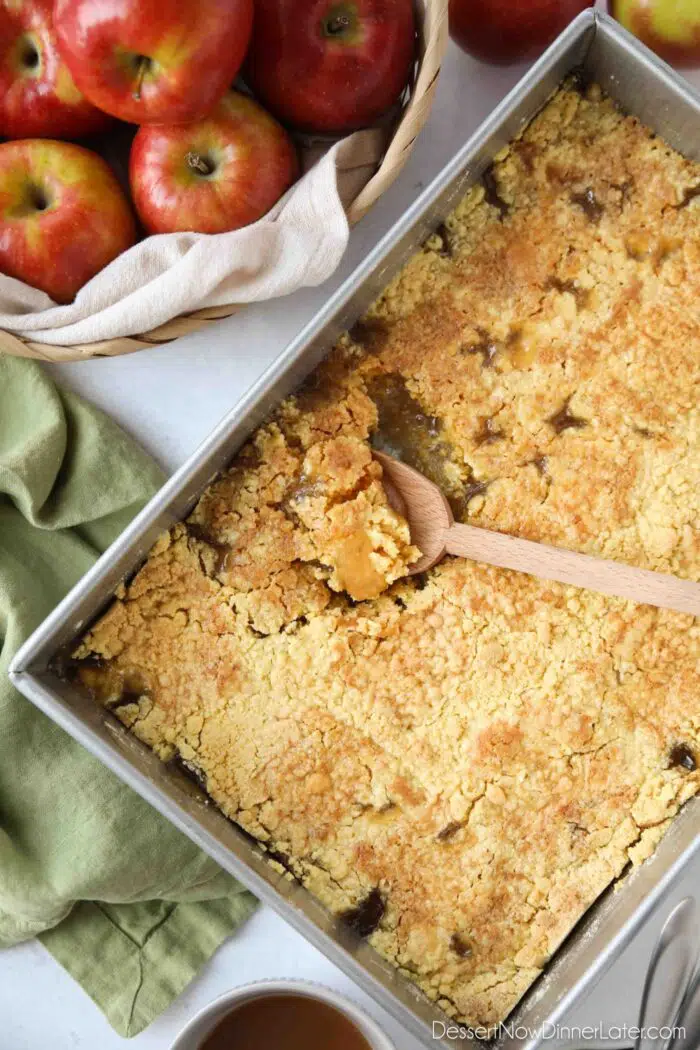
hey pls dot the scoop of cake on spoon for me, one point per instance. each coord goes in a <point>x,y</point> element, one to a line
<point>435,532</point>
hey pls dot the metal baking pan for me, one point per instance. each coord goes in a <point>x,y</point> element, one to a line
<point>650,90</point>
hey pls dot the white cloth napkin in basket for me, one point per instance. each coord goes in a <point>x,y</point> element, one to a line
<point>299,243</point>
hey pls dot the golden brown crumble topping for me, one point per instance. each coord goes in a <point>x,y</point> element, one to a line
<point>461,764</point>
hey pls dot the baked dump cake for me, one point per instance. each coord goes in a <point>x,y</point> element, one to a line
<point>456,764</point>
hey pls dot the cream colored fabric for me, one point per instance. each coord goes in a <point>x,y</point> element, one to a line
<point>299,243</point>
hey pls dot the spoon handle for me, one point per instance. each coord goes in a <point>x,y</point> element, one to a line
<point>581,570</point>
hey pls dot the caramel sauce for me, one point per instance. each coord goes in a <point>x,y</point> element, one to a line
<point>488,434</point>
<point>459,946</point>
<point>590,205</point>
<point>472,489</point>
<point>449,831</point>
<point>522,350</point>
<point>303,488</point>
<point>689,195</point>
<point>527,151</point>
<point>523,356</point>
<point>667,246</point>
<point>487,347</point>
<point>641,246</point>
<point>365,918</point>
<point>566,420</point>
<point>447,250</point>
<point>684,757</point>
<point>580,82</point>
<point>406,432</point>
<point>581,295</point>
<point>492,193</point>
<point>221,550</point>
<point>111,687</point>
<point>625,190</point>
<point>370,333</point>
<point>292,1022</point>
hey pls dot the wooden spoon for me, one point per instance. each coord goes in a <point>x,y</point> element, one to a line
<point>434,532</point>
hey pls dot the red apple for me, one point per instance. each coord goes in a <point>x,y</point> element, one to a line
<point>37,93</point>
<point>331,65</point>
<point>154,61</point>
<point>503,31</point>
<point>218,174</point>
<point>669,27</point>
<point>62,215</point>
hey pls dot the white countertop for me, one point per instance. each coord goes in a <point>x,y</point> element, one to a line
<point>170,398</point>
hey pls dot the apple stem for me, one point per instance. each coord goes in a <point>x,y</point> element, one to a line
<point>199,164</point>
<point>143,64</point>
<point>337,24</point>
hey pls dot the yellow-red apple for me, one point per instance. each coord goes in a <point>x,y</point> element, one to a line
<point>63,216</point>
<point>37,93</point>
<point>669,27</point>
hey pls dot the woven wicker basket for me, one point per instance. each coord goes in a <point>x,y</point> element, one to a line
<point>432,41</point>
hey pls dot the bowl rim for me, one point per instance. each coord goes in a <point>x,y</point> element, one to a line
<point>204,1021</point>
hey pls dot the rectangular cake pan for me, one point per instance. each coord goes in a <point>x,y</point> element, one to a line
<point>644,87</point>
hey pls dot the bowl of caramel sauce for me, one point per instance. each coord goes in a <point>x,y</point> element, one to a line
<point>295,1015</point>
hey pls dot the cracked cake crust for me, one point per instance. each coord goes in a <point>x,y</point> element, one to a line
<point>460,764</point>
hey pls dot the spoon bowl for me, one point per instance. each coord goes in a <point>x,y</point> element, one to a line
<point>424,507</point>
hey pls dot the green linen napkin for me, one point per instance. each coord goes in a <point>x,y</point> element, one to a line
<point>119,897</point>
